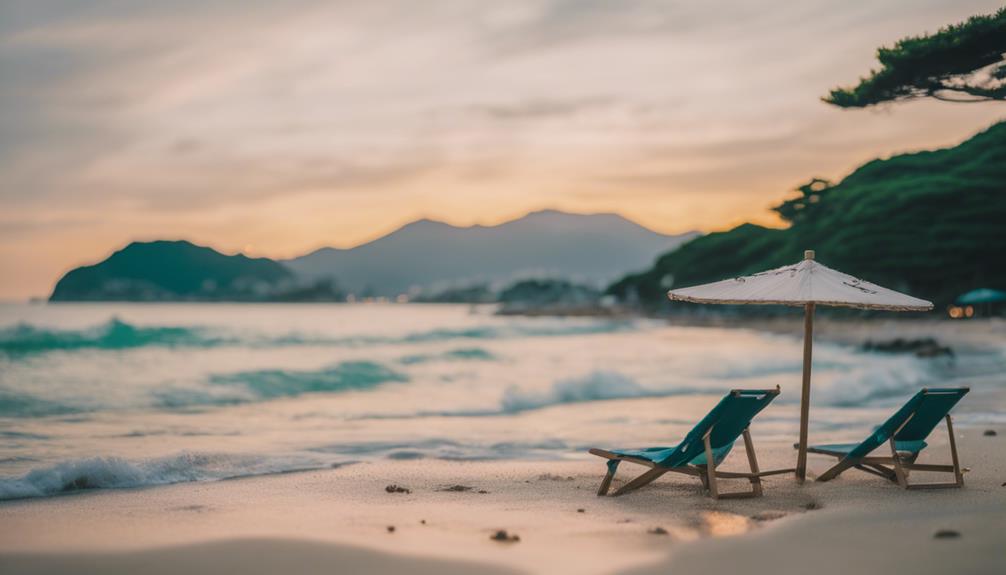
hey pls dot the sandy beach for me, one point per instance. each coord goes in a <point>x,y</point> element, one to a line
<point>339,520</point>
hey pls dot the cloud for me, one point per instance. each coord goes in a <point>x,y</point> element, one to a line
<point>543,108</point>
<point>295,123</point>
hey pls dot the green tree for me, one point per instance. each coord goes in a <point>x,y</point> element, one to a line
<point>810,197</point>
<point>960,63</point>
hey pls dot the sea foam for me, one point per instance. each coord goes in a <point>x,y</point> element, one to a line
<point>595,386</point>
<point>118,473</point>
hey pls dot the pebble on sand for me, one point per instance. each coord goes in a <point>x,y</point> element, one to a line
<point>946,534</point>
<point>391,528</point>
<point>552,477</point>
<point>990,433</point>
<point>768,516</point>
<point>657,531</point>
<point>581,510</point>
<point>397,489</point>
<point>505,537</point>
<point>459,488</point>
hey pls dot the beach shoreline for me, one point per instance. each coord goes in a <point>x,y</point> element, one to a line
<point>445,522</point>
<point>313,521</point>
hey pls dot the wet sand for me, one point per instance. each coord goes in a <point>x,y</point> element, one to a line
<point>338,520</point>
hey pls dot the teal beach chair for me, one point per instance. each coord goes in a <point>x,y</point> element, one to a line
<point>905,433</point>
<point>703,449</point>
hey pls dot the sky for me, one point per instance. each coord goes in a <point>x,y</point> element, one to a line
<point>277,127</point>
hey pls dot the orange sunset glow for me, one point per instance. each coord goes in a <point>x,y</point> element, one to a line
<point>283,127</point>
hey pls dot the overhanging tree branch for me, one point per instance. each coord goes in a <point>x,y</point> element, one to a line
<point>967,58</point>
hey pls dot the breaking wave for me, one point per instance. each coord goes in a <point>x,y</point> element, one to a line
<point>888,378</point>
<point>117,473</point>
<point>461,354</point>
<point>262,385</point>
<point>450,450</point>
<point>597,385</point>
<point>847,386</point>
<point>14,404</point>
<point>25,339</point>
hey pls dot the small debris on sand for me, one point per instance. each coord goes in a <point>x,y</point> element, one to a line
<point>397,489</point>
<point>551,477</point>
<point>458,488</point>
<point>990,433</point>
<point>768,516</point>
<point>483,491</point>
<point>811,506</point>
<point>657,531</point>
<point>581,510</point>
<point>625,521</point>
<point>422,521</point>
<point>946,534</point>
<point>504,537</point>
<point>391,528</point>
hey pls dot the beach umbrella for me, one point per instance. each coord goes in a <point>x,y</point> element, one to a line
<point>807,284</point>
<point>982,295</point>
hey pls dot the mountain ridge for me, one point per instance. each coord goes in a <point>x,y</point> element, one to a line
<point>182,271</point>
<point>173,270</point>
<point>541,243</point>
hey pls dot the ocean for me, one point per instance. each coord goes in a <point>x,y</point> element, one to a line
<point>132,395</point>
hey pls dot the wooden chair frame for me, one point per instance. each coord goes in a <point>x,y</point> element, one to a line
<point>902,463</point>
<point>708,473</point>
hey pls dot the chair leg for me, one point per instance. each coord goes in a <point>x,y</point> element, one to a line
<point>644,479</point>
<point>606,482</point>
<point>753,462</point>
<point>704,477</point>
<point>879,470</point>
<point>710,476</point>
<point>710,467</point>
<point>899,471</point>
<point>837,469</point>
<point>958,476</point>
<point>955,467</point>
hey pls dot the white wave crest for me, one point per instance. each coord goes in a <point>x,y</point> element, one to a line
<point>596,385</point>
<point>118,473</point>
<point>875,379</point>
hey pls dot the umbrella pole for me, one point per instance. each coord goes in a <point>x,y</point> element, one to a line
<point>808,347</point>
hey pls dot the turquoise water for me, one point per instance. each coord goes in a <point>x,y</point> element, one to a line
<point>122,395</point>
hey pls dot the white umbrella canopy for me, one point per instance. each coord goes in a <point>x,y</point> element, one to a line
<point>809,284</point>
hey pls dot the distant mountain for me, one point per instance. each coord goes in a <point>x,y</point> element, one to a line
<point>172,270</point>
<point>427,254</point>
<point>424,255</point>
<point>932,224</point>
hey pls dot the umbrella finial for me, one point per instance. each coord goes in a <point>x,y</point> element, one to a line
<point>808,254</point>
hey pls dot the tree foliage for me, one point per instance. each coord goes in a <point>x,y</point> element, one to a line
<point>172,270</point>
<point>929,224</point>
<point>960,63</point>
<point>810,196</point>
